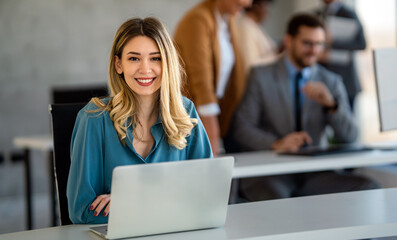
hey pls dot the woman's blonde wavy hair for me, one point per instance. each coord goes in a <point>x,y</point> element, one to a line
<point>123,104</point>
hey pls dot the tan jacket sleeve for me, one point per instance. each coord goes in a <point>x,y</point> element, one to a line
<point>196,41</point>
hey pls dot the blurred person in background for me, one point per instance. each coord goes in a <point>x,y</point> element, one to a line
<point>288,105</point>
<point>345,35</point>
<point>258,46</point>
<point>207,40</point>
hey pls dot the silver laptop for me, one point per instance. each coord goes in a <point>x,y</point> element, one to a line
<point>168,197</point>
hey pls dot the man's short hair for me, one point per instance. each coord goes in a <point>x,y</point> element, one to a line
<point>303,19</point>
<point>247,9</point>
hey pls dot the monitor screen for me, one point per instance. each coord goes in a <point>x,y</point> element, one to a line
<point>385,64</point>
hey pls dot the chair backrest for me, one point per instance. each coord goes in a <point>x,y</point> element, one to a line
<point>63,117</point>
<point>77,94</point>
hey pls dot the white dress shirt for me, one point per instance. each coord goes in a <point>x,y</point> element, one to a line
<point>226,64</point>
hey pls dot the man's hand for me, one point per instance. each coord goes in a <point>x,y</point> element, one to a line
<point>100,202</point>
<point>318,92</point>
<point>292,142</point>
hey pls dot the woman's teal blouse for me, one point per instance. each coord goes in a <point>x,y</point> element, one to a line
<point>96,150</point>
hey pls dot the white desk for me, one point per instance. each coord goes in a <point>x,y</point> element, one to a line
<point>254,164</point>
<point>251,164</point>
<point>41,143</point>
<point>353,215</point>
<point>266,163</point>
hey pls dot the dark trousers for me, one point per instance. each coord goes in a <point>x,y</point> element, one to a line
<point>230,145</point>
<point>303,184</point>
<point>351,102</point>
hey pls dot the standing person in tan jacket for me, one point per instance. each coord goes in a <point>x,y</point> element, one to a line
<point>207,40</point>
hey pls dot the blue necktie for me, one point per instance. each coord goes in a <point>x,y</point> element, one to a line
<point>298,123</point>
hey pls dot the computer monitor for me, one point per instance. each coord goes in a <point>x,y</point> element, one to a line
<point>385,65</point>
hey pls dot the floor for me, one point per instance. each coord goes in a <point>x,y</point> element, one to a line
<point>12,210</point>
<point>12,195</point>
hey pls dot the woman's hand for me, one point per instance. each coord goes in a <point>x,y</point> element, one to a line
<point>100,202</point>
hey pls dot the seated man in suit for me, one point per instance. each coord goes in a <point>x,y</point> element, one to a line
<point>288,105</point>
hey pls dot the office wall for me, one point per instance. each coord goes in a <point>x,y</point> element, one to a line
<point>59,43</point>
<point>66,42</point>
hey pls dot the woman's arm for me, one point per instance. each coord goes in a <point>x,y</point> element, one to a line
<point>85,180</point>
<point>198,144</point>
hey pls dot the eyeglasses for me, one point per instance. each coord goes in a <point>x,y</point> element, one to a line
<point>311,44</point>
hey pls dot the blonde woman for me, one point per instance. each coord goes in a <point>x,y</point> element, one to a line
<point>144,120</point>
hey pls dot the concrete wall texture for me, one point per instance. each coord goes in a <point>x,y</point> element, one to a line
<point>59,43</point>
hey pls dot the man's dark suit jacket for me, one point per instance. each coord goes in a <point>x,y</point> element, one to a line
<point>266,112</point>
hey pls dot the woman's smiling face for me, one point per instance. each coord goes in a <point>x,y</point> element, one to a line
<point>140,63</point>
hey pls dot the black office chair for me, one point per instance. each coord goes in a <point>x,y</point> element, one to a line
<point>77,94</point>
<point>63,117</point>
